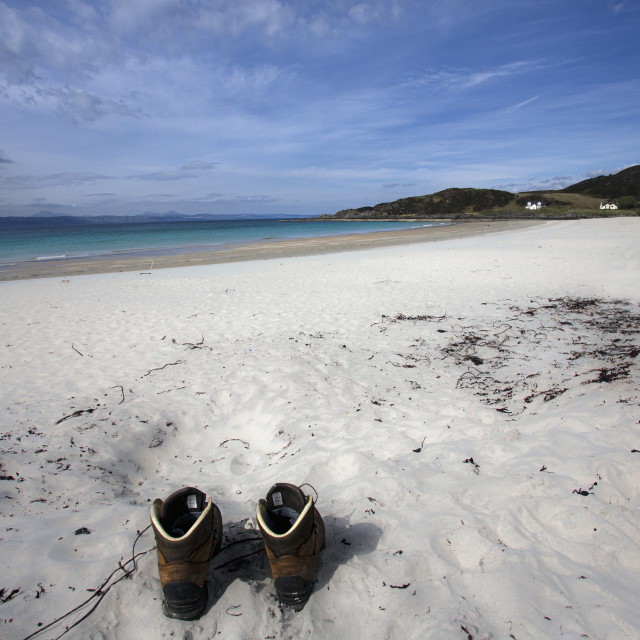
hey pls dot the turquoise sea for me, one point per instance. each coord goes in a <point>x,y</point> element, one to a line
<point>42,242</point>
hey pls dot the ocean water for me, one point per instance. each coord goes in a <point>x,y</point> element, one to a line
<point>28,243</point>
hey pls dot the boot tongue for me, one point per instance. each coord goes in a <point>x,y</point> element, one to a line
<point>194,502</point>
<point>285,504</point>
<point>181,510</point>
<point>286,495</point>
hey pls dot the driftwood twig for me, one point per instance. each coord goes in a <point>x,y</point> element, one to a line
<point>169,364</point>
<point>119,386</point>
<point>246,444</point>
<point>75,414</point>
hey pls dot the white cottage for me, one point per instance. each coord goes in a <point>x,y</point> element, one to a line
<point>534,205</point>
<point>608,205</point>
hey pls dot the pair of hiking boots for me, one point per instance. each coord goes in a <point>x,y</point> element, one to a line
<point>188,532</point>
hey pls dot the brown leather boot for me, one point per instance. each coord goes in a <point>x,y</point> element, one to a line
<point>293,534</point>
<point>188,532</point>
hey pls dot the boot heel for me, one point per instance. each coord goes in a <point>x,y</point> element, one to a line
<point>188,531</point>
<point>293,534</point>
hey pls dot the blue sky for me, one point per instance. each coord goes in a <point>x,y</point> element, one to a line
<point>282,107</point>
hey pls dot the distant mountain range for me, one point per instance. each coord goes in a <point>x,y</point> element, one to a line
<point>49,218</point>
<point>577,200</point>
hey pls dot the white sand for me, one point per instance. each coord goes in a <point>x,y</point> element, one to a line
<point>306,370</point>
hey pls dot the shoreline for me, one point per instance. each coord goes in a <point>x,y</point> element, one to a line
<point>256,250</point>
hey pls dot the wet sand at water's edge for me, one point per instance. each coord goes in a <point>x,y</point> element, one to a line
<point>255,250</point>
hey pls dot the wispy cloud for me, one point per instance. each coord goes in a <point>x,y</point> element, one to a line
<point>82,37</point>
<point>84,71</point>
<point>38,203</point>
<point>617,7</point>
<point>72,104</point>
<point>238,79</point>
<point>393,185</point>
<point>158,196</point>
<point>200,165</point>
<point>503,71</point>
<point>603,172</point>
<point>283,20</point>
<point>67,179</point>
<point>163,176</point>
<point>78,178</point>
<point>80,105</point>
<point>225,198</point>
<point>209,197</point>
<point>188,171</point>
<point>521,105</point>
<point>253,199</point>
<point>4,159</point>
<point>551,184</point>
<point>464,78</point>
<point>548,184</point>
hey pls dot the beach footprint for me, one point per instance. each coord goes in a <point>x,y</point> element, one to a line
<point>240,465</point>
<point>466,548</point>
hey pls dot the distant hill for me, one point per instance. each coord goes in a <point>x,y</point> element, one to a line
<point>579,200</point>
<point>438,205</point>
<point>611,187</point>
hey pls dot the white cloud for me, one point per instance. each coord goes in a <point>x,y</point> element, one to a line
<point>603,172</point>
<point>240,80</point>
<point>33,44</point>
<point>72,104</point>
<point>271,18</point>
<point>79,105</point>
<point>82,60</point>
<point>361,13</point>
<point>127,15</point>
<point>12,31</point>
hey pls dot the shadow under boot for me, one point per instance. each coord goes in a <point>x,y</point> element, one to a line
<point>293,534</point>
<point>188,532</point>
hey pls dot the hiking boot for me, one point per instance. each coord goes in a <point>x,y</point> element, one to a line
<point>188,532</point>
<point>293,534</point>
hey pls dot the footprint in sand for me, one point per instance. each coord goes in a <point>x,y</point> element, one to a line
<point>240,465</point>
<point>345,466</point>
<point>356,427</point>
<point>468,550</point>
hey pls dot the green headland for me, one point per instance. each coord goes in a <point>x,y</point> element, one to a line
<point>604,196</point>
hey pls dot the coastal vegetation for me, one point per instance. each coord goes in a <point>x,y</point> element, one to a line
<point>581,200</point>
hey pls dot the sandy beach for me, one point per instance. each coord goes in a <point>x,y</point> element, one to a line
<point>253,251</point>
<point>467,410</point>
